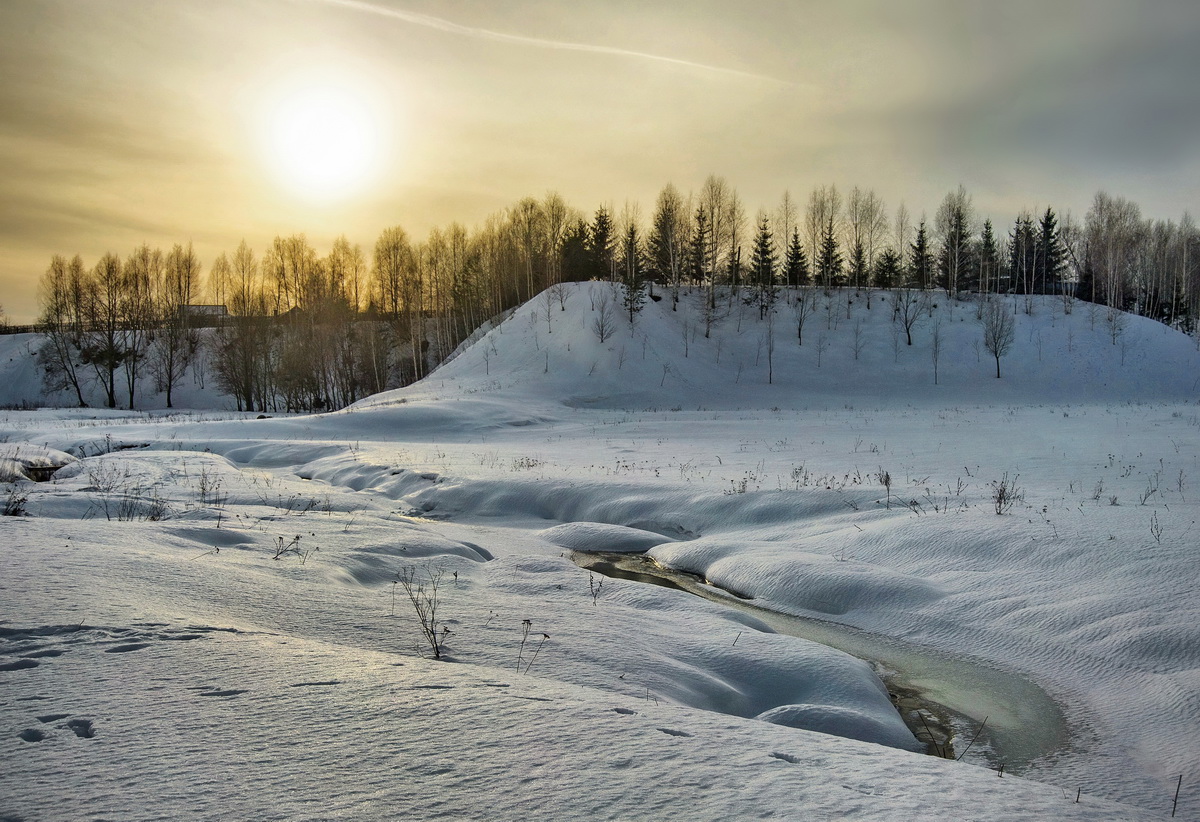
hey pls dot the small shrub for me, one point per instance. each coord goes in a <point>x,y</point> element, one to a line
<point>885,479</point>
<point>1005,493</point>
<point>423,595</point>
<point>157,509</point>
<point>283,548</point>
<point>526,627</point>
<point>208,489</point>
<point>12,502</point>
<point>595,587</point>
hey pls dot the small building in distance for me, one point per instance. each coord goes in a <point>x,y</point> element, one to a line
<point>207,316</point>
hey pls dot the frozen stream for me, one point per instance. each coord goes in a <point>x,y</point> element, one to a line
<point>1024,724</point>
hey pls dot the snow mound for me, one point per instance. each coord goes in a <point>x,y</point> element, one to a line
<point>850,350</point>
<point>845,722</point>
<point>26,461</point>
<point>599,536</point>
<point>795,580</point>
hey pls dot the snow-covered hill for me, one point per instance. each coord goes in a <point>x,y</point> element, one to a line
<point>853,351</point>
<point>160,661</point>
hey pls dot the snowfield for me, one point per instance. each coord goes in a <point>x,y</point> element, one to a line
<point>201,615</point>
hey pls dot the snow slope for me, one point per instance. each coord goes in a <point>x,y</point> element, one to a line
<point>141,604</point>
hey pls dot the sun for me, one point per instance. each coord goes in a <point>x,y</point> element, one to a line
<point>323,139</point>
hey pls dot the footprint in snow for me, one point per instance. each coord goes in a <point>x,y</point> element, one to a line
<point>673,732</point>
<point>82,728</point>
<point>32,735</point>
<point>19,665</point>
<point>787,758</point>
<point>625,712</point>
<point>865,790</point>
<point>124,649</point>
<point>49,652</point>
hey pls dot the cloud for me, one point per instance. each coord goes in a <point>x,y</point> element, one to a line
<point>1122,100</point>
<point>450,27</point>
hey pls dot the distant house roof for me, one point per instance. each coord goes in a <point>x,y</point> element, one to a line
<point>204,310</point>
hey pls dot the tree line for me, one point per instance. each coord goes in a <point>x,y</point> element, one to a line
<point>312,332</point>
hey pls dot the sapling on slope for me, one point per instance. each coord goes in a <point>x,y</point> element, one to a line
<point>423,595</point>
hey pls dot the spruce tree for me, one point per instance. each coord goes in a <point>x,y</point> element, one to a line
<point>699,263</point>
<point>857,266</point>
<point>1049,262</point>
<point>1022,255</point>
<point>829,261</point>
<point>888,273</point>
<point>602,246</point>
<point>987,261</point>
<point>795,264</point>
<point>701,266</point>
<point>762,268</point>
<point>954,257</point>
<point>576,260</point>
<point>920,265</point>
<point>632,267</point>
<point>734,270</point>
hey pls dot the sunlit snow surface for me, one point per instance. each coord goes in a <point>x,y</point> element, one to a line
<point>157,662</point>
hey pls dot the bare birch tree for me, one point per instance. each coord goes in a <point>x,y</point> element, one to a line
<point>999,329</point>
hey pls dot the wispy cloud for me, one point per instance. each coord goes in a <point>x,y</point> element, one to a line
<point>450,27</point>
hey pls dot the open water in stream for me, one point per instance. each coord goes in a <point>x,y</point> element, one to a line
<point>956,693</point>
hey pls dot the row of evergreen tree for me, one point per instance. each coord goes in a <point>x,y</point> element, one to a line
<point>306,331</point>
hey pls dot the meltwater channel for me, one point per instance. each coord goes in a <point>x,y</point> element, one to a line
<point>1023,723</point>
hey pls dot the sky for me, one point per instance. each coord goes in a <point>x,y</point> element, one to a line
<point>125,122</point>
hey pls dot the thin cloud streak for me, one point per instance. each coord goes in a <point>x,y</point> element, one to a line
<point>441,24</point>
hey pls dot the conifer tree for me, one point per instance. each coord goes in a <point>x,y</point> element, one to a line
<point>856,266</point>
<point>576,261</point>
<point>633,274</point>
<point>699,259</point>
<point>795,264</point>
<point>701,266</point>
<point>734,271</point>
<point>829,261</point>
<point>920,261</point>
<point>602,246</point>
<point>888,269</point>
<point>1022,254</point>
<point>1049,260</point>
<point>954,227</point>
<point>762,267</point>
<point>987,261</point>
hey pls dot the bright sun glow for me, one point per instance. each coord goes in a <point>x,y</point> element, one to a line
<point>323,139</point>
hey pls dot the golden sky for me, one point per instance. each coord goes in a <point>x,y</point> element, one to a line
<point>161,121</point>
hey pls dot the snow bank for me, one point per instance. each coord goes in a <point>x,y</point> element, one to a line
<point>599,536</point>
<point>797,581</point>
<point>25,461</point>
